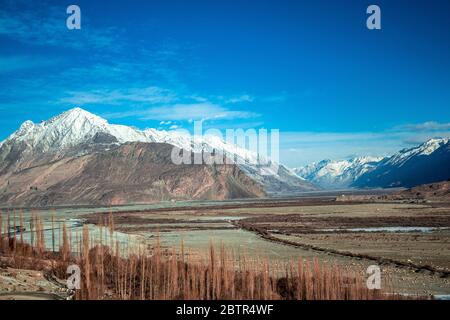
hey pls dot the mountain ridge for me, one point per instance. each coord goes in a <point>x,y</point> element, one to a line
<point>425,163</point>
<point>77,133</point>
<point>336,174</point>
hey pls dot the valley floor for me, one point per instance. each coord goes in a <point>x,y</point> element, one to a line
<point>409,241</point>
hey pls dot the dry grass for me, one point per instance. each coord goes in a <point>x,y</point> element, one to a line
<point>154,273</point>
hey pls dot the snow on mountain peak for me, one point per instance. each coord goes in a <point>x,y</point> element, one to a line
<point>25,127</point>
<point>332,174</point>
<point>77,126</point>
<point>337,173</point>
<point>423,149</point>
<point>431,145</point>
<point>77,115</point>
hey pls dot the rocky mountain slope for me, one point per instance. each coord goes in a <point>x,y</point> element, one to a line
<point>129,173</point>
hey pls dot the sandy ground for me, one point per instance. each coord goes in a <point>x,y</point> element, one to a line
<point>20,284</point>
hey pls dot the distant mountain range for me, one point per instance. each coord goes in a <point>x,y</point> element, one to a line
<point>79,158</point>
<point>337,174</point>
<point>426,163</point>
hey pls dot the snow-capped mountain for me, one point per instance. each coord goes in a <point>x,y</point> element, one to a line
<point>77,132</point>
<point>426,163</point>
<point>76,127</point>
<point>425,149</point>
<point>69,129</point>
<point>337,174</point>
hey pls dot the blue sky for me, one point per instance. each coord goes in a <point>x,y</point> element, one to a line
<point>311,69</point>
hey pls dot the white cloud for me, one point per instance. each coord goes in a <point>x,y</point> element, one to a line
<point>156,103</point>
<point>425,126</point>
<point>242,98</point>
<point>193,111</point>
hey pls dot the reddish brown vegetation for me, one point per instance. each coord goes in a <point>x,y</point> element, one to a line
<point>109,273</point>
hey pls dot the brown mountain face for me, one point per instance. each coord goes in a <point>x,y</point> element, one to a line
<point>430,191</point>
<point>130,173</point>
